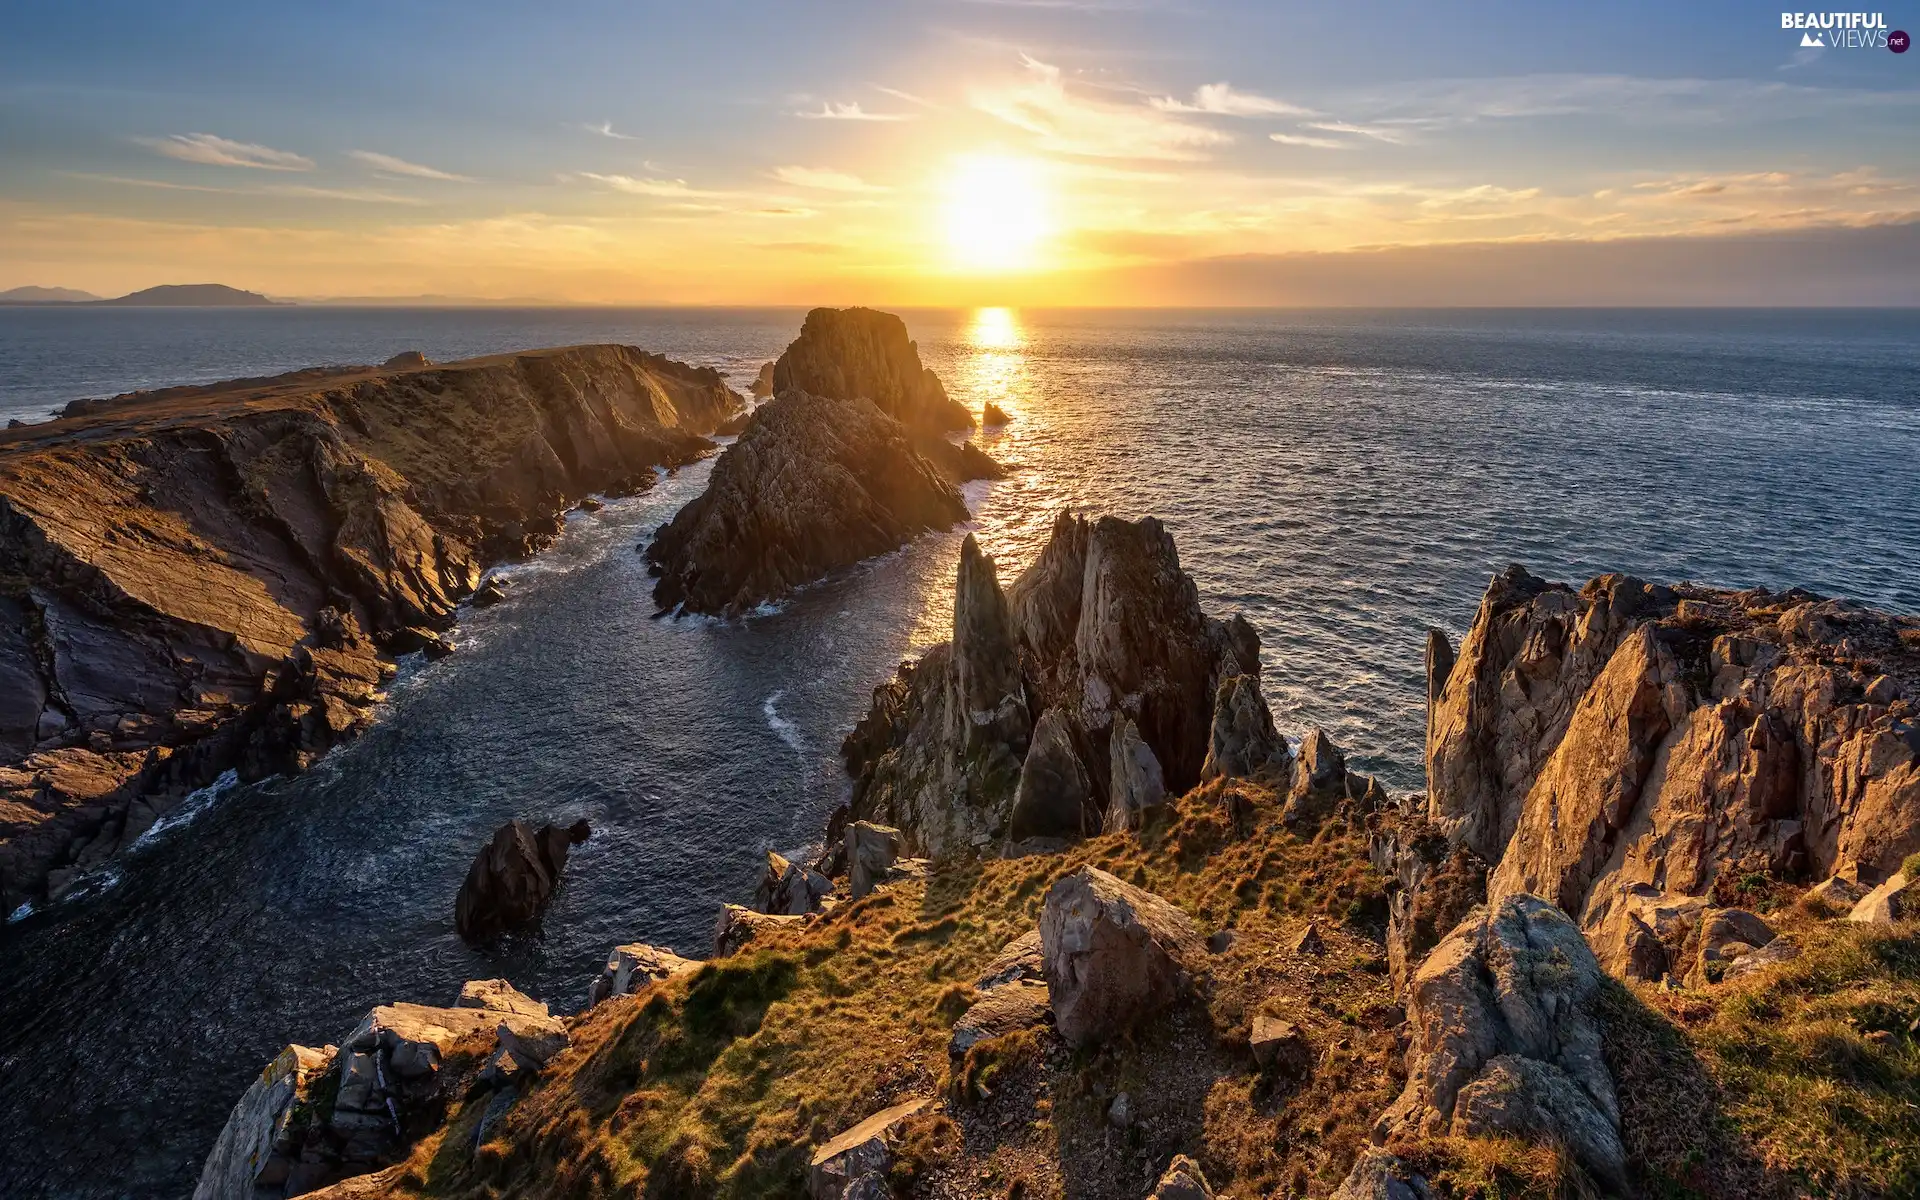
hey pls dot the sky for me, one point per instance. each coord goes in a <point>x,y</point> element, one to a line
<point>960,151</point>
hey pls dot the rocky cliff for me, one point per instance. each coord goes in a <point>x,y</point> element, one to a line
<point>1273,979</point>
<point>199,579</point>
<point>1008,731</point>
<point>849,460</point>
<point>1633,751</point>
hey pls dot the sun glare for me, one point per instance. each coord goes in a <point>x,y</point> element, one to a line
<point>996,211</point>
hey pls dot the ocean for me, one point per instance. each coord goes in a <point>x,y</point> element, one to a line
<point>1347,479</point>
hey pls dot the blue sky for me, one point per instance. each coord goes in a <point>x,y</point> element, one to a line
<point>739,152</point>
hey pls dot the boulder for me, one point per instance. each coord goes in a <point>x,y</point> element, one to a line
<point>1113,953</point>
<point>1895,900</point>
<point>871,850</point>
<point>1002,1009</point>
<point>1505,1039</point>
<point>1779,950</point>
<point>256,1151</point>
<point>1136,787</point>
<point>1378,1175</point>
<point>1279,1046</point>
<point>854,1165</point>
<point>1838,894</point>
<point>1242,741</point>
<point>407,360</point>
<point>497,995</point>
<point>790,889</point>
<point>1054,795</point>
<point>1022,958</point>
<point>739,925</point>
<point>513,877</point>
<point>1726,935</point>
<point>631,967</point>
<point>1183,1181</point>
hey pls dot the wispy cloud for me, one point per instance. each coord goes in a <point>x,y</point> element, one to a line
<point>1067,123</point>
<point>224,152</point>
<point>1220,99</point>
<point>293,190</point>
<point>831,111</point>
<point>665,189</point>
<point>824,179</point>
<point>1308,140</point>
<point>606,130</point>
<point>897,94</point>
<point>387,164</point>
<point>1378,133</point>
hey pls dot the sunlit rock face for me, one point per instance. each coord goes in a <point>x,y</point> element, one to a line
<point>814,484</point>
<point>1102,633</point>
<point>1624,747</point>
<point>863,353</point>
<point>204,578</point>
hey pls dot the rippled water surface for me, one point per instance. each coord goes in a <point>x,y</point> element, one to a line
<point>1346,479</point>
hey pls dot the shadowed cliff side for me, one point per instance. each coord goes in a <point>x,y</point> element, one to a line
<point>850,460</point>
<point>199,579</point>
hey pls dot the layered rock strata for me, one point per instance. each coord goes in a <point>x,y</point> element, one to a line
<point>199,579</point>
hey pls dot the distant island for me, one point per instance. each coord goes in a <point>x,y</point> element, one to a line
<point>169,295</point>
<point>46,295</point>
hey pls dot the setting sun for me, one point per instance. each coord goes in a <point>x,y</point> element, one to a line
<point>996,213</point>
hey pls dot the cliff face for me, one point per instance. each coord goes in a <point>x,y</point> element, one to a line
<point>812,485</point>
<point>848,353</point>
<point>203,578</point>
<point>1007,731</point>
<point>850,460</point>
<point>1628,747</point>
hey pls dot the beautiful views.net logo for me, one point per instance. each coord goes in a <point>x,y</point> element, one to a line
<point>1845,31</point>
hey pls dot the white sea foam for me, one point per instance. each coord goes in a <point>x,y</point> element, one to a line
<point>782,728</point>
<point>197,802</point>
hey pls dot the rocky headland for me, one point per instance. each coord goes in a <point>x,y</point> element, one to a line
<point>203,579</point>
<point>848,460</point>
<point>1092,927</point>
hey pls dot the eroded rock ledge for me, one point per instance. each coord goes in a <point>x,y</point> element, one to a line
<point>849,460</point>
<point>199,579</point>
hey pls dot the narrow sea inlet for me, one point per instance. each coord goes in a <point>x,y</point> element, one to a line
<point>1345,479</point>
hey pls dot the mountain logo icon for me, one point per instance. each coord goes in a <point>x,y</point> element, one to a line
<point>1812,39</point>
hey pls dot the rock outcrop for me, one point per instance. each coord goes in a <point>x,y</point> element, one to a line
<point>813,485</point>
<point>513,877</point>
<point>863,353</point>
<point>632,967</point>
<point>1008,731</point>
<point>202,579</point>
<point>849,460</point>
<point>1112,954</point>
<point>317,1116</point>
<point>1622,749</point>
<point>1506,1040</point>
<point>1183,1181</point>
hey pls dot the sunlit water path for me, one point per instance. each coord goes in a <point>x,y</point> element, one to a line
<point>1346,479</point>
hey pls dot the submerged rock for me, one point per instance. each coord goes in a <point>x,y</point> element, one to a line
<point>513,877</point>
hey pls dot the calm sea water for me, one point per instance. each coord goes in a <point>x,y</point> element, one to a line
<point>1344,478</point>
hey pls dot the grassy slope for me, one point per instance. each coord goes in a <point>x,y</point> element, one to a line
<point>720,1082</point>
